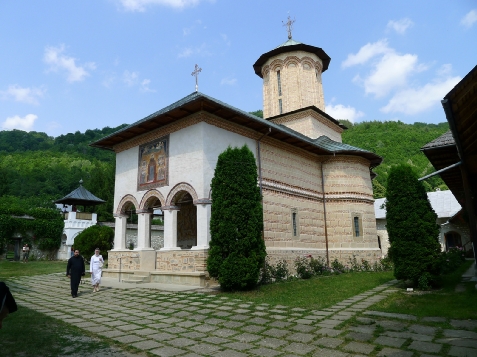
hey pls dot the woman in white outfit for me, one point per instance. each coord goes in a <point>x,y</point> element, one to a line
<point>95,268</point>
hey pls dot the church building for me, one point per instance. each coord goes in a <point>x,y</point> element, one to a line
<point>317,191</point>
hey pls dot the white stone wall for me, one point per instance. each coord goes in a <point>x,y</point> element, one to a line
<point>193,153</point>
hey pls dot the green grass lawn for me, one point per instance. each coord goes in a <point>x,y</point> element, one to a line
<point>315,293</point>
<point>29,333</point>
<point>10,269</point>
<point>443,302</point>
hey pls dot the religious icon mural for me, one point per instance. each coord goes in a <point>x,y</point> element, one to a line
<point>153,164</point>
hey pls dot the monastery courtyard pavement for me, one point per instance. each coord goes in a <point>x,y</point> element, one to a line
<point>192,323</point>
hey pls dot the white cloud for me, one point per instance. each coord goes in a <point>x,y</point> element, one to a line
<point>229,81</point>
<point>189,51</point>
<point>186,52</point>
<point>469,19</point>
<point>413,101</point>
<point>25,95</point>
<point>387,68</point>
<point>226,39</point>
<point>141,5</point>
<point>130,78</point>
<point>400,26</point>
<point>59,62</point>
<point>145,86</point>
<point>17,122</point>
<point>390,72</point>
<point>367,52</point>
<point>339,111</point>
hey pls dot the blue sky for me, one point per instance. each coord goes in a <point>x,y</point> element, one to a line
<point>69,65</point>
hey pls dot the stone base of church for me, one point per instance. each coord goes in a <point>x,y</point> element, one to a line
<point>182,266</point>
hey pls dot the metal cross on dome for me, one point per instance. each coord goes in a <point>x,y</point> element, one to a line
<point>289,25</point>
<point>196,72</point>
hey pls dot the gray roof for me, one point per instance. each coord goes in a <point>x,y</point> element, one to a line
<point>323,143</point>
<point>288,46</point>
<point>81,196</point>
<point>445,139</point>
<point>290,42</point>
<point>443,203</point>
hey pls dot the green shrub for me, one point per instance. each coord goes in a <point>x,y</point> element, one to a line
<point>237,250</point>
<point>451,260</point>
<point>337,266</point>
<point>413,231</point>
<point>318,265</point>
<point>101,237</point>
<point>303,268</point>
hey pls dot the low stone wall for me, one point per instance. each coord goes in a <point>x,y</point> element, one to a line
<point>182,260</point>
<point>129,260</point>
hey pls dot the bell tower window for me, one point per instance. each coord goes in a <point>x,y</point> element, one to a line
<point>279,83</point>
<point>280,108</point>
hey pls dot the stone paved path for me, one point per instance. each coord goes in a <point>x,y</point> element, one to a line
<point>196,324</point>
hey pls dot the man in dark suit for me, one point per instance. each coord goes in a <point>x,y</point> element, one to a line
<point>75,270</point>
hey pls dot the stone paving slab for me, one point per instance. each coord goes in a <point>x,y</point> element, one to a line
<point>191,324</point>
<point>359,347</point>
<point>462,352</point>
<point>391,352</point>
<point>425,346</point>
<point>392,315</point>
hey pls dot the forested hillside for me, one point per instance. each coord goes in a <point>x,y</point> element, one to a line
<point>396,143</point>
<point>38,169</point>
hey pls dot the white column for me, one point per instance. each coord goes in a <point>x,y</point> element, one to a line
<point>203,226</point>
<point>170,229</point>
<point>120,233</point>
<point>144,231</point>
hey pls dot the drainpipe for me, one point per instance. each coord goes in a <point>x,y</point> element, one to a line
<point>260,161</point>
<point>324,211</point>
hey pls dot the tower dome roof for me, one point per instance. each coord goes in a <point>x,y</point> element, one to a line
<point>289,46</point>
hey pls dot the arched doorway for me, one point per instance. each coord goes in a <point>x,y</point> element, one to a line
<point>186,221</point>
<point>453,240</point>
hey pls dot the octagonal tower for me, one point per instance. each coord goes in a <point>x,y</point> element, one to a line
<point>292,77</point>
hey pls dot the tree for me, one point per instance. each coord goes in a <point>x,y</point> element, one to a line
<point>413,231</point>
<point>101,237</point>
<point>237,250</point>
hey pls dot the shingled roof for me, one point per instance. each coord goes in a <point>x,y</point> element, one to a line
<point>445,139</point>
<point>80,197</point>
<point>197,102</point>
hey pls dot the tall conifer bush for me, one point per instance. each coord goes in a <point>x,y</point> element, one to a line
<point>237,250</point>
<point>411,224</point>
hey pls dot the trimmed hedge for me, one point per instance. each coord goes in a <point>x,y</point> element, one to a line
<point>413,231</point>
<point>237,250</point>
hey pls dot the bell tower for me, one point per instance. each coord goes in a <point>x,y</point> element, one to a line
<point>292,83</point>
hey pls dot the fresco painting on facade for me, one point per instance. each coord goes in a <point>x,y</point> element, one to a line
<point>153,164</point>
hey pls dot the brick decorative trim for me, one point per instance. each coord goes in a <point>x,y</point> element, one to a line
<point>151,194</point>
<point>183,186</point>
<point>123,204</point>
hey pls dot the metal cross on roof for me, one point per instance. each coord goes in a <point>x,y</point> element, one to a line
<point>289,25</point>
<point>196,72</point>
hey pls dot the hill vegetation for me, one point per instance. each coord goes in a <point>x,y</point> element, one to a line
<point>38,169</point>
<point>396,143</point>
